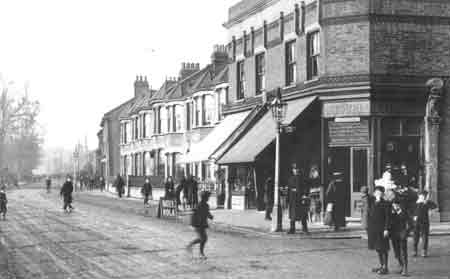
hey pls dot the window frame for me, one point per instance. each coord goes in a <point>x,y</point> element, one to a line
<point>260,73</point>
<point>240,71</point>
<point>312,56</point>
<point>290,63</point>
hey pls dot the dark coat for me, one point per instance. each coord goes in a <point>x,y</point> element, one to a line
<point>201,215</point>
<point>422,212</point>
<point>169,190</point>
<point>379,221</point>
<point>269,192</point>
<point>298,191</point>
<point>119,183</point>
<point>66,191</point>
<point>336,195</point>
<point>3,202</point>
<point>399,225</point>
<point>146,189</point>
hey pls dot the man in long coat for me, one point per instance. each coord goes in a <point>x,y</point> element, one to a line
<point>120,184</point>
<point>298,199</point>
<point>66,193</point>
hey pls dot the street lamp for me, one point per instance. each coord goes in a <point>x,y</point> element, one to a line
<point>278,108</point>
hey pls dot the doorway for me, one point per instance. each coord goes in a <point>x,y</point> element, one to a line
<point>353,163</point>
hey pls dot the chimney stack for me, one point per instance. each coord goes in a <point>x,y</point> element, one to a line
<point>188,69</point>
<point>219,57</point>
<point>141,86</point>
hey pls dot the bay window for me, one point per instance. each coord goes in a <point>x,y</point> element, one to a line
<point>178,118</point>
<point>208,109</point>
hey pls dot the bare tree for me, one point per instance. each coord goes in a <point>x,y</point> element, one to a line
<point>19,139</point>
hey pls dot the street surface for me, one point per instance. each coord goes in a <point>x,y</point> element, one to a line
<point>109,238</point>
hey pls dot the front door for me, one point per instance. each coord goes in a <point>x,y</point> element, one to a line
<point>353,163</point>
<point>359,177</point>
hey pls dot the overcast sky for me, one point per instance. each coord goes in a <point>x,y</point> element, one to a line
<point>81,57</point>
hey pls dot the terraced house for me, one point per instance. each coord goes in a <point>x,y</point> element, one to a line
<point>159,130</point>
<point>354,75</point>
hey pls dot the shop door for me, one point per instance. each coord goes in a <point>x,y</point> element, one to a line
<point>341,162</point>
<point>359,177</point>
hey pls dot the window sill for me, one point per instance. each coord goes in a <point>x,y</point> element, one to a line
<point>289,86</point>
<point>311,80</point>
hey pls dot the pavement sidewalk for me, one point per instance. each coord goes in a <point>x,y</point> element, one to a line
<point>252,221</point>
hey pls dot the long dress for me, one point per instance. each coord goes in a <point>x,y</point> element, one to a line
<point>336,195</point>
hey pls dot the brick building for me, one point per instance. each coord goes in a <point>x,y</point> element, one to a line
<point>353,73</point>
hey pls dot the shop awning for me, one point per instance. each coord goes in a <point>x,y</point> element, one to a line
<point>202,150</point>
<point>262,134</point>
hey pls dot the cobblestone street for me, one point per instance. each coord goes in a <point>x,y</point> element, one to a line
<point>38,240</point>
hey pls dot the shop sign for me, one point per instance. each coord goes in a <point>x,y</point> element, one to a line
<point>349,108</point>
<point>398,108</point>
<point>348,132</point>
<point>167,208</point>
<point>238,202</point>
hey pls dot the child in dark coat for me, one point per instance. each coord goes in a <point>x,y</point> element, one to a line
<point>422,219</point>
<point>378,229</point>
<point>3,202</point>
<point>399,235</point>
<point>200,223</point>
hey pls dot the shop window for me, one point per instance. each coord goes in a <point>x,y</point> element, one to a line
<point>411,127</point>
<point>391,127</point>
<point>313,44</point>
<point>260,73</point>
<point>240,80</point>
<point>291,63</point>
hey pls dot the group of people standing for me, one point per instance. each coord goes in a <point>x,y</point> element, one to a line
<point>394,211</point>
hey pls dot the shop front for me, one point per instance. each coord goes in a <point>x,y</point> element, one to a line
<point>363,136</point>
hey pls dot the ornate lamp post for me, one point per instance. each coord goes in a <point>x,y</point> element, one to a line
<point>278,108</point>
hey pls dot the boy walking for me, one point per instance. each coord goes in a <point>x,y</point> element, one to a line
<point>200,223</point>
<point>399,235</point>
<point>3,202</point>
<point>422,219</point>
<point>378,229</point>
<point>146,190</point>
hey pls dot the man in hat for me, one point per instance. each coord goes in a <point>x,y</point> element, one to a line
<point>298,199</point>
<point>336,196</point>
<point>378,229</point>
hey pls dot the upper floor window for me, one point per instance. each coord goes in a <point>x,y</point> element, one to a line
<point>162,127</point>
<point>198,109</point>
<point>169,119</point>
<point>223,100</point>
<point>136,128</point>
<point>188,116</point>
<point>177,118</point>
<point>291,63</point>
<point>208,109</point>
<point>128,132</point>
<point>260,73</point>
<point>240,80</point>
<point>313,47</point>
<point>147,125</point>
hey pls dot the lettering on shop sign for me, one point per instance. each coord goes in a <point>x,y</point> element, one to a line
<point>342,109</point>
<point>348,132</point>
<point>167,208</point>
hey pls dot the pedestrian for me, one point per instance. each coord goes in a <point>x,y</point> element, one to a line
<point>102,183</point>
<point>3,202</point>
<point>366,201</point>
<point>269,197</point>
<point>91,183</point>
<point>336,196</point>
<point>48,184</point>
<point>399,235</point>
<point>169,188</point>
<point>146,191</point>
<point>120,185</point>
<point>192,191</point>
<point>185,188</point>
<point>422,220</point>
<point>298,200</point>
<point>199,221</point>
<point>178,190</point>
<point>378,228</point>
<point>66,193</point>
